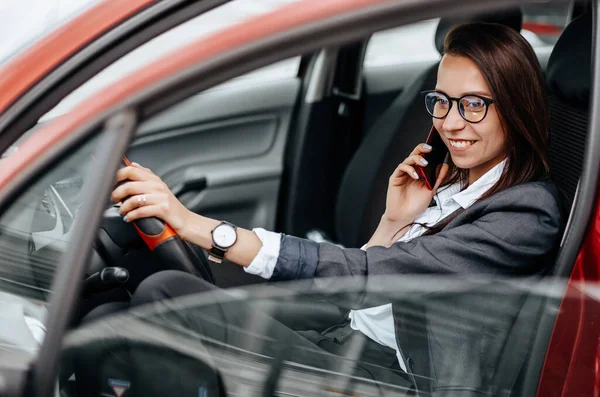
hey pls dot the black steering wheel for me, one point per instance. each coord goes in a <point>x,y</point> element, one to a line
<point>172,253</point>
<point>162,240</point>
<point>175,253</point>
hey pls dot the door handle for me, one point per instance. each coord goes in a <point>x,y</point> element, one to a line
<point>191,185</point>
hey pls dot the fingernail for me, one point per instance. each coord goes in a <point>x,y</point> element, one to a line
<point>415,175</point>
<point>125,218</point>
<point>423,161</point>
<point>427,147</point>
<point>134,163</point>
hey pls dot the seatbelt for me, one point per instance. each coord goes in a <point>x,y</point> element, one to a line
<point>517,347</point>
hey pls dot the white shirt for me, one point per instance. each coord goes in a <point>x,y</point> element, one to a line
<point>377,322</point>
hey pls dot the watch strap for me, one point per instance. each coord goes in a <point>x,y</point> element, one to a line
<point>216,254</point>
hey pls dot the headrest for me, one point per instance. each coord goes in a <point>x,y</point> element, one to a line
<point>513,18</point>
<point>569,67</point>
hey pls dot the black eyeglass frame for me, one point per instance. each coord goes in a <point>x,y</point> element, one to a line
<point>487,101</point>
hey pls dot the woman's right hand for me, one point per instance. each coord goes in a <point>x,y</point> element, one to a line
<point>407,195</point>
<point>158,200</point>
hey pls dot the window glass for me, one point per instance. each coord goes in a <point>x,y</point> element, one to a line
<point>413,43</point>
<point>34,234</point>
<point>203,25</point>
<point>455,334</point>
<point>544,22</point>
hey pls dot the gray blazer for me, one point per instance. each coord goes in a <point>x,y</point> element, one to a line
<point>512,233</point>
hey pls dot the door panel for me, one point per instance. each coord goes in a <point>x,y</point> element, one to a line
<point>221,152</point>
<point>228,143</point>
<point>206,142</point>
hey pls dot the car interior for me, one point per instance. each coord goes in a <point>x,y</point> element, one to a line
<point>329,160</point>
<point>311,157</point>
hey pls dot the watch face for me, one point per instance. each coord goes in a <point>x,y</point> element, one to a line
<point>224,236</point>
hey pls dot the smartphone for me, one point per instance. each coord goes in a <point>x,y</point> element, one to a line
<point>435,158</point>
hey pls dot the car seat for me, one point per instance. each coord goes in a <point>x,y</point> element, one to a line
<point>569,80</point>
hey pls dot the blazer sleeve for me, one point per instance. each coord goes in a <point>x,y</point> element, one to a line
<point>510,235</point>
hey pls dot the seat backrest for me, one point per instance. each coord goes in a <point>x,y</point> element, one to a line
<point>403,125</point>
<point>569,79</point>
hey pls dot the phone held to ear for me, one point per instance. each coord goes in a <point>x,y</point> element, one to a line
<point>435,158</point>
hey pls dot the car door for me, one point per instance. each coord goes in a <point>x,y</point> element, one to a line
<point>184,347</point>
<point>91,110</point>
<point>47,230</point>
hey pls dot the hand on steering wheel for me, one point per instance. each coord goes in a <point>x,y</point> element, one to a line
<point>145,195</point>
<point>159,218</point>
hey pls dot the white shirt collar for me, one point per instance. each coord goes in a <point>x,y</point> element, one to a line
<point>474,191</point>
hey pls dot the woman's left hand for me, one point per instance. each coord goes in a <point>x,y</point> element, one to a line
<point>146,195</point>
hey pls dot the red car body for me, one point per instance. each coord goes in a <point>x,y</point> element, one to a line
<point>572,365</point>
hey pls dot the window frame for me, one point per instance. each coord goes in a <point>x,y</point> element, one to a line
<point>591,165</point>
<point>74,70</point>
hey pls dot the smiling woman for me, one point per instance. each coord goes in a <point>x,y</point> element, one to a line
<point>511,122</point>
<point>484,221</point>
<point>515,126</point>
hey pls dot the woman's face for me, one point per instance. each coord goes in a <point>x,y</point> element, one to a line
<point>477,147</point>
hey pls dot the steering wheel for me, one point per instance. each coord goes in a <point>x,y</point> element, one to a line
<point>159,237</point>
<point>162,240</point>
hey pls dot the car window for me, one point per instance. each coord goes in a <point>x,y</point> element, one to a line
<point>35,231</point>
<point>295,339</point>
<point>410,43</point>
<point>413,43</point>
<point>203,25</point>
<point>544,22</point>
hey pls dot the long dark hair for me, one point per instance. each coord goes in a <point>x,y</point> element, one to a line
<point>512,71</point>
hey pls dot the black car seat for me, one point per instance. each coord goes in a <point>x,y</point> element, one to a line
<point>404,124</point>
<point>569,80</point>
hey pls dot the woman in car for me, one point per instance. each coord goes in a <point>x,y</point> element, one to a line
<point>495,212</point>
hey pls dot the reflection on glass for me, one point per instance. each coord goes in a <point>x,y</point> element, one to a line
<point>35,231</point>
<point>455,336</point>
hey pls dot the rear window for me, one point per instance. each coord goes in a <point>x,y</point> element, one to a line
<point>542,25</point>
<point>545,21</point>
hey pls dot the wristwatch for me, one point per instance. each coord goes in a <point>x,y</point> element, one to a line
<point>224,235</point>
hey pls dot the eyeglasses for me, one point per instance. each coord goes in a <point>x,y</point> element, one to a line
<point>472,108</point>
